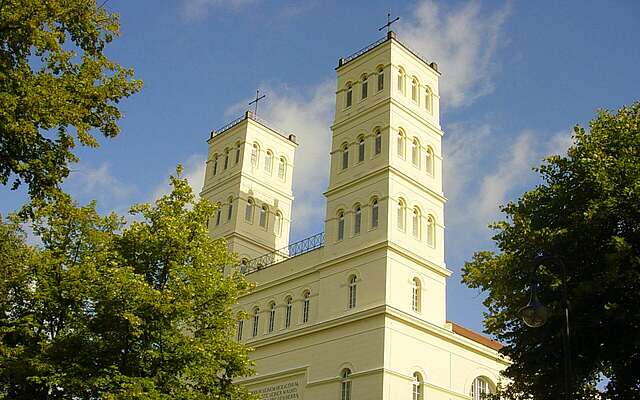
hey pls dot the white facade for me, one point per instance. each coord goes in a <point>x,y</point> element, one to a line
<point>364,316</point>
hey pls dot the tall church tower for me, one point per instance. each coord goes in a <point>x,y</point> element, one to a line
<point>249,176</point>
<point>385,184</point>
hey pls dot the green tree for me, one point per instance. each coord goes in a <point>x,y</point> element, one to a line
<point>56,87</point>
<point>586,211</point>
<point>105,310</point>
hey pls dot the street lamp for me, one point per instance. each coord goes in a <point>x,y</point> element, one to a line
<point>535,314</point>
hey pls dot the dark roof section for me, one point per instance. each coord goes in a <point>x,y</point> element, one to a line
<point>390,35</point>
<point>476,337</point>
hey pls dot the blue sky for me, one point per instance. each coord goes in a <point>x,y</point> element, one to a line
<point>516,77</point>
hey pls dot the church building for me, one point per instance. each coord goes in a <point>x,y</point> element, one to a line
<point>357,312</point>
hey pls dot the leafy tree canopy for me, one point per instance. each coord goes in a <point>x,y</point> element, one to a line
<point>56,86</point>
<point>586,211</point>
<point>101,309</point>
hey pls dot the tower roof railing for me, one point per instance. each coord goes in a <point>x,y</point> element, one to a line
<point>253,116</point>
<point>227,126</point>
<point>276,256</point>
<point>390,35</point>
<point>363,50</point>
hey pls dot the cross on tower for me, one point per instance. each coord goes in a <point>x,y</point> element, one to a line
<point>389,22</point>
<point>258,98</point>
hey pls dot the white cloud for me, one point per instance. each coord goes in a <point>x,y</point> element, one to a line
<point>193,171</point>
<point>463,41</point>
<point>309,118</point>
<point>484,171</point>
<point>88,183</point>
<point>199,9</point>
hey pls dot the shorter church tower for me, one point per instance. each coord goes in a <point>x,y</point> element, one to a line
<point>249,176</point>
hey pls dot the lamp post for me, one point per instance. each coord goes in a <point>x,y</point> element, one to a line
<point>535,315</point>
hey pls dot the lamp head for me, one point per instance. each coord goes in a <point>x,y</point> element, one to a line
<point>534,314</point>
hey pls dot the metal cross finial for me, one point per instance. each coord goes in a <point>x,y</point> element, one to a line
<point>389,22</point>
<point>258,98</point>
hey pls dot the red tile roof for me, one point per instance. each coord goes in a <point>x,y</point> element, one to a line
<point>476,337</point>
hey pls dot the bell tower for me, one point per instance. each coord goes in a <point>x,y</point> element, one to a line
<point>385,184</point>
<point>249,176</point>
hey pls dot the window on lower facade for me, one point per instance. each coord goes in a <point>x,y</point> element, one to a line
<point>357,222</point>
<point>480,388</point>
<point>264,212</point>
<point>416,295</point>
<point>374,214</point>
<point>305,307</point>
<point>352,291</point>
<point>418,387</point>
<point>256,322</point>
<point>288,313</point>
<point>240,330</point>
<point>345,384</point>
<point>272,317</point>
<point>340,225</point>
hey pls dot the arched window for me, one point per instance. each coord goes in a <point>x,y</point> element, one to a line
<point>416,298</point>
<point>401,143</point>
<point>380,78</point>
<point>361,149</point>
<point>340,225</point>
<point>268,162</point>
<point>349,99</point>
<point>431,231</point>
<point>240,329</point>
<point>215,164</point>
<point>480,388</point>
<point>218,213</point>
<point>237,152</point>
<point>357,220</point>
<point>230,208</point>
<point>429,160</point>
<point>345,384</point>
<point>415,152</point>
<point>264,212</point>
<point>282,168</point>
<point>248,210</point>
<point>256,321</point>
<point>288,311</point>
<point>402,209</point>
<point>428,99</point>
<point>226,158</point>
<point>374,213</point>
<point>415,89</point>
<point>277,223</point>
<point>255,150</point>
<point>378,143</point>
<point>416,223</point>
<point>345,156</point>
<point>418,387</point>
<point>305,306</point>
<point>365,87</point>
<point>352,291</point>
<point>272,316</point>
<point>401,80</point>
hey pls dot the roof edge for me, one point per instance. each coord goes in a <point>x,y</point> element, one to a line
<point>475,336</point>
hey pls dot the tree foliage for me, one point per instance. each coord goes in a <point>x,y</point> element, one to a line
<point>56,86</point>
<point>586,211</point>
<point>107,310</point>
